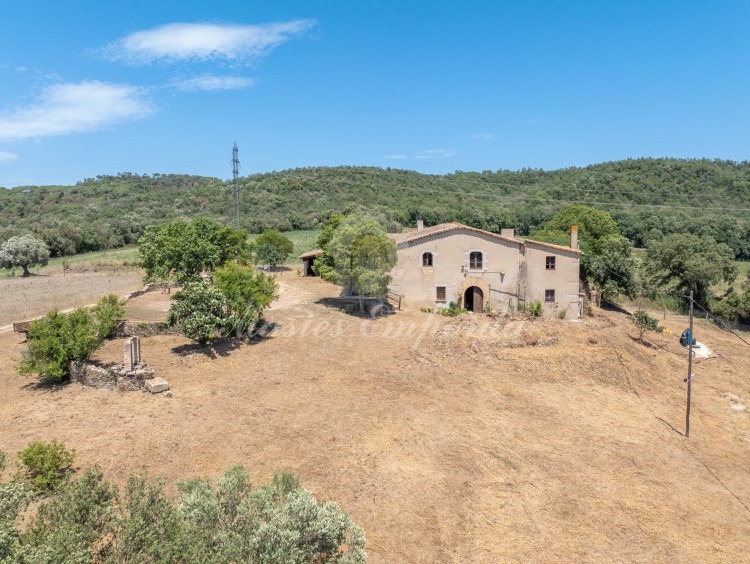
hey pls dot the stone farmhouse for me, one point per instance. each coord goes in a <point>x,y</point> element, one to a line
<point>480,270</point>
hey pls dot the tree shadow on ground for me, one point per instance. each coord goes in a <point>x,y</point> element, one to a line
<point>50,387</point>
<point>222,347</point>
<point>645,343</point>
<point>351,307</point>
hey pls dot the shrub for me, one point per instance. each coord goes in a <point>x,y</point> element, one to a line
<point>108,312</point>
<point>200,311</point>
<point>452,310</point>
<point>247,293</point>
<point>644,322</point>
<point>46,465</point>
<point>57,339</point>
<point>14,496</point>
<point>76,525</point>
<point>87,520</point>
<point>535,308</point>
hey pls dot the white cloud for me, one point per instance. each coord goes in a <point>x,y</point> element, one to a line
<point>5,156</point>
<point>434,154</point>
<point>74,108</point>
<point>213,82</point>
<point>395,157</point>
<point>176,42</point>
<point>483,136</point>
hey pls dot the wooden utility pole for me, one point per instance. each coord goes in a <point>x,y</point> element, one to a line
<point>690,368</point>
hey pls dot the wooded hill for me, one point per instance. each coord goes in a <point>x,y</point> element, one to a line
<point>649,198</point>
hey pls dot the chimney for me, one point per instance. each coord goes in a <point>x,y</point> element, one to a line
<point>420,223</point>
<point>574,237</point>
<point>510,232</point>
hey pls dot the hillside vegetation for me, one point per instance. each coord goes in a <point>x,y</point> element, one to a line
<point>649,198</point>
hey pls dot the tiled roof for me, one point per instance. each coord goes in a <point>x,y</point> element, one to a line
<point>416,235</point>
<point>312,254</point>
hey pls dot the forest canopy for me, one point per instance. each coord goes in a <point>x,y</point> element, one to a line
<point>649,199</point>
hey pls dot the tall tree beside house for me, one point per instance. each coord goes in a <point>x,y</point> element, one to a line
<point>23,251</point>
<point>608,261</point>
<point>363,255</point>
<point>272,248</point>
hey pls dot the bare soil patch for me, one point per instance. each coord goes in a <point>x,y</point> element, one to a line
<point>466,440</point>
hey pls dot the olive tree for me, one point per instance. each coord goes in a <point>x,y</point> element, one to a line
<point>23,251</point>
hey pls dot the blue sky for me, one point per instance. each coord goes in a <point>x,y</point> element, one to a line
<point>91,88</point>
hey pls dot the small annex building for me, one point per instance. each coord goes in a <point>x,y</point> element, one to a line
<point>479,270</point>
<point>308,259</point>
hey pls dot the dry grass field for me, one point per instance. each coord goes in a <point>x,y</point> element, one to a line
<point>26,298</point>
<point>465,440</point>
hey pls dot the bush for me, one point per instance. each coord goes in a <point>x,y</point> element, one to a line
<point>200,311</point>
<point>57,339</point>
<point>247,293</point>
<point>452,310</point>
<point>535,308</point>
<point>108,312</point>
<point>75,525</point>
<point>46,465</point>
<point>644,322</point>
<point>212,522</point>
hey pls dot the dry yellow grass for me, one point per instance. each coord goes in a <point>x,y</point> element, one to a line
<point>467,440</point>
<point>26,298</point>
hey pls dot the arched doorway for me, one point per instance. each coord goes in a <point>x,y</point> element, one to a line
<point>474,299</point>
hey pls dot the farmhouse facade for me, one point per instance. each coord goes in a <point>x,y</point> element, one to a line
<point>480,270</point>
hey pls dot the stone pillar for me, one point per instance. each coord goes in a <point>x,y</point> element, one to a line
<point>132,353</point>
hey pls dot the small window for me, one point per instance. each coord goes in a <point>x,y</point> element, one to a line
<point>475,260</point>
<point>550,263</point>
<point>440,294</point>
<point>549,296</point>
<point>427,259</point>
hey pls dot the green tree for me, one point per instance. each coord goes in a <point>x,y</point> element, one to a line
<point>272,248</point>
<point>686,262</point>
<point>182,250</point>
<point>248,294</point>
<point>613,268</point>
<point>200,311</point>
<point>323,265</point>
<point>363,255</point>
<point>734,305</point>
<point>23,251</point>
<point>593,225</point>
<point>644,322</point>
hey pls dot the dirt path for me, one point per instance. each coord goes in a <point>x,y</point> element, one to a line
<point>467,440</point>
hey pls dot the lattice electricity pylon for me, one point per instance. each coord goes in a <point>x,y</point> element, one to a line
<point>235,186</point>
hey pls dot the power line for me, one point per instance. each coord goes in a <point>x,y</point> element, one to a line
<point>722,322</point>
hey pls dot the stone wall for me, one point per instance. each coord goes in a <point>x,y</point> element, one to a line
<point>113,377</point>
